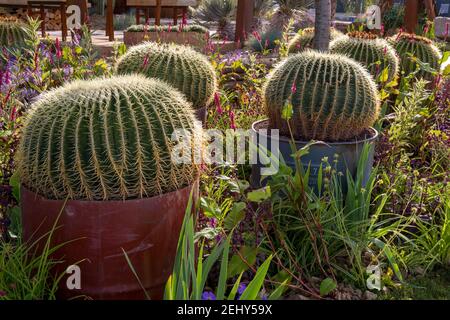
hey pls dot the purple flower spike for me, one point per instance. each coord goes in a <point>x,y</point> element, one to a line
<point>208,295</point>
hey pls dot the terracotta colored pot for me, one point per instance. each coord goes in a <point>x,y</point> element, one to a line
<point>147,229</point>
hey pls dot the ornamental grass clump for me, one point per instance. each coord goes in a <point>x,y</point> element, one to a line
<point>108,139</point>
<point>182,67</point>
<point>374,53</point>
<point>304,39</point>
<point>333,98</point>
<point>407,44</point>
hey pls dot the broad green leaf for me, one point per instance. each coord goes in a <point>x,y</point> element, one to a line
<point>235,216</point>
<point>208,233</point>
<point>259,195</point>
<point>236,265</point>
<point>210,208</point>
<point>384,76</point>
<point>326,286</point>
<point>287,111</point>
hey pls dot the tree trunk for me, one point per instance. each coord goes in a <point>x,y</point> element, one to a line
<point>322,25</point>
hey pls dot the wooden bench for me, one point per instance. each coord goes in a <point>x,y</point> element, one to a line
<point>145,5</point>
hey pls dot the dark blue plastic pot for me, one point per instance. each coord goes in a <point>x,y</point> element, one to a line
<point>348,155</point>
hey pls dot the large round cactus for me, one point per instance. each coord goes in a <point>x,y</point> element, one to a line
<point>333,97</point>
<point>304,39</point>
<point>182,67</point>
<point>374,53</point>
<point>420,47</point>
<point>12,33</point>
<point>107,139</point>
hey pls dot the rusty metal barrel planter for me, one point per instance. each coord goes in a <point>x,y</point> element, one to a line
<point>95,232</point>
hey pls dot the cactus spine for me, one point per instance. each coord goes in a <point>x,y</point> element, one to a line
<point>334,99</point>
<point>420,47</point>
<point>304,39</point>
<point>180,66</point>
<point>107,139</point>
<point>374,53</point>
<point>12,32</point>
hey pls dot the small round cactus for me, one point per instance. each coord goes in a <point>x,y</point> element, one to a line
<point>374,53</point>
<point>304,39</point>
<point>333,97</point>
<point>180,66</point>
<point>107,139</point>
<point>420,47</point>
<point>12,32</point>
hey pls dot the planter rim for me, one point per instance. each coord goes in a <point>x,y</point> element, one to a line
<point>111,201</point>
<point>374,136</point>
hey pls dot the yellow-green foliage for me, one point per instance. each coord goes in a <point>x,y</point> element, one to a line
<point>182,67</point>
<point>304,39</point>
<point>374,53</point>
<point>333,97</point>
<point>107,139</point>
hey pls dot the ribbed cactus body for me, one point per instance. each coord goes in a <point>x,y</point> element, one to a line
<point>304,39</point>
<point>106,139</point>
<point>374,53</point>
<point>12,33</point>
<point>180,66</point>
<point>419,47</point>
<point>333,97</point>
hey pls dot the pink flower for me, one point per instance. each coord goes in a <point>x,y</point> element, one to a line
<point>217,103</point>
<point>384,50</point>
<point>257,35</point>
<point>294,88</point>
<point>145,61</point>
<point>58,49</point>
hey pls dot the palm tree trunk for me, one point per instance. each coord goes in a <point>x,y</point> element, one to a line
<point>322,25</point>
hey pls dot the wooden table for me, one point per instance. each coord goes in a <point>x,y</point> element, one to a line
<point>49,5</point>
<point>145,5</point>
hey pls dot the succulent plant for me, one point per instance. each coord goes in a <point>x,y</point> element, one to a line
<point>12,32</point>
<point>374,53</point>
<point>180,66</point>
<point>304,39</point>
<point>107,139</point>
<point>333,97</point>
<point>267,40</point>
<point>420,47</point>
